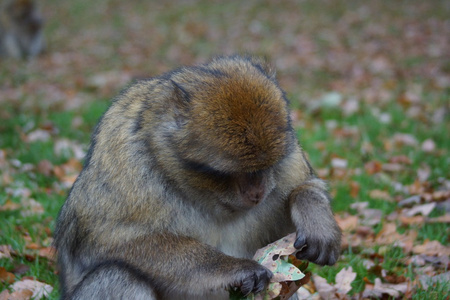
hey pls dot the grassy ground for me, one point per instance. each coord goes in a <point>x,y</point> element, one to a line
<point>369,87</point>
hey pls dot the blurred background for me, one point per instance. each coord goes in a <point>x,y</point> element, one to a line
<point>369,85</point>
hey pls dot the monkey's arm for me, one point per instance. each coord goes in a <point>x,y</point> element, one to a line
<point>316,226</point>
<point>184,264</point>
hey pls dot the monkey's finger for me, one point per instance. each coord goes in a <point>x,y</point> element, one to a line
<point>300,241</point>
<point>247,285</point>
<point>323,258</point>
<point>262,280</point>
<point>310,253</point>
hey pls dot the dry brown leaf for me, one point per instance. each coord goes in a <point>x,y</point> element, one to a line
<point>428,146</point>
<point>32,246</point>
<point>392,167</point>
<point>63,146</point>
<point>347,223</point>
<point>424,210</point>
<point>5,251</point>
<point>45,167</point>
<point>38,289</point>
<point>373,167</point>
<point>431,248</point>
<point>31,207</point>
<point>325,290</point>
<point>371,216</point>
<point>38,135</point>
<point>404,139</point>
<point>343,280</point>
<point>426,280</point>
<point>17,295</point>
<point>416,220</point>
<point>4,295</point>
<point>410,201</point>
<point>48,252</point>
<point>400,159</point>
<point>354,189</point>
<point>6,276</point>
<point>339,163</point>
<point>9,205</point>
<point>388,235</point>
<point>380,289</point>
<point>442,219</point>
<point>380,194</point>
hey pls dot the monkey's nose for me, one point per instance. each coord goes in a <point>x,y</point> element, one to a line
<point>254,197</point>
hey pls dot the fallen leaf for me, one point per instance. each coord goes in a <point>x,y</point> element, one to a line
<point>347,223</point>
<point>371,216</point>
<point>279,258</point>
<point>37,288</point>
<point>38,135</point>
<point>379,194</point>
<point>350,106</point>
<point>442,219</point>
<point>392,167</point>
<point>344,279</point>
<point>31,207</point>
<point>380,289</point>
<point>5,251</point>
<point>426,280</point>
<point>17,295</point>
<point>410,201</point>
<point>68,147</point>
<point>373,167</point>
<point>5,295</point>
<point>48,252</point>
<point>400,159</point>
<point>6,276</point>
<point>325,290</point>
<point>428,146</point>
<point>404,139</point>
<point>21,269</point>
<point>417,220</point>
<point>9,205</point>
<point>431,248</point>
<point>424,172</point>
<point>339,163</point>
<point>354,189</point>
<point>424,210</point>
<point>45,167</point>
<point>388,235</point>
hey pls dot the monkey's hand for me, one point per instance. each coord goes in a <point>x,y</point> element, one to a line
<point>251,277</point>
<point>318,234</point>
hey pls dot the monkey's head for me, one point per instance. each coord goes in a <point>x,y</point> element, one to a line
<point>233,128</point>
<point>25,15</point>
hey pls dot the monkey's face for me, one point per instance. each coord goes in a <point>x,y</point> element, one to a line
<point>235,130</point>
<point>231,191</point>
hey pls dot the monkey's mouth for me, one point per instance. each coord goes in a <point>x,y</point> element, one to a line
<point>240,206</point>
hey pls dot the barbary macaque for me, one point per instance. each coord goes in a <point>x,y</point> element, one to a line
<point>187,175</point>
<point>21,29</point>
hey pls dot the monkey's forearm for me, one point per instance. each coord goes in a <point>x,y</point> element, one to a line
<point>183,263</point>
<point>316,226</point>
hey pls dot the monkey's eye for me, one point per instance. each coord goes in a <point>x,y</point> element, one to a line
<point>202,168</point>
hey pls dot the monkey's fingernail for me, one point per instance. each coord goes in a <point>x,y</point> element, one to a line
<point>300,242</point>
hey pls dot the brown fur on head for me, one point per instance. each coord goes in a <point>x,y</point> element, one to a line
<point>244,111</point>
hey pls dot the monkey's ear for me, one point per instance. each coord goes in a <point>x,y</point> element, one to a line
<point>181,102</point>
<point>264,66</point>
<point>180,93</point>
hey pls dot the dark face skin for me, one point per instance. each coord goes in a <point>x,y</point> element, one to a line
<point>234,191</point>
<point>253,188</point>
